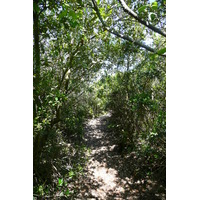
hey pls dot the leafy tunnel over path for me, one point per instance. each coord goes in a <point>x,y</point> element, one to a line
<point>91,57</point>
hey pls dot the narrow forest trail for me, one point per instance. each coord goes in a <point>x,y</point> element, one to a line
<point>108,174</point>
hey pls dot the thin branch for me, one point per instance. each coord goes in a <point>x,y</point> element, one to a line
<point>112,31</point>
<point>119,34</point>
<point>70,61</point>
<point>134,15</point>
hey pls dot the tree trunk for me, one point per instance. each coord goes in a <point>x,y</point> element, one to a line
<point>36,61</point>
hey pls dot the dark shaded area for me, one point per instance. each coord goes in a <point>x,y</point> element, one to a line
<point>57,159</point>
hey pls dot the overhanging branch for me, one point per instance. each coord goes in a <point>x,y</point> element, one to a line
<point>140,44</point>
<point>135,16</point>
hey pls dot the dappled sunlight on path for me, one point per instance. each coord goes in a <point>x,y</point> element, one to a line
<point>108,175</point>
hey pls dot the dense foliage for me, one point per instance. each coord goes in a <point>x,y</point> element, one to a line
<point>136,100</point>
<point>91,57</point>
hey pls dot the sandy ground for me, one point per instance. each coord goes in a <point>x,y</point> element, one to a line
<point>109,175</point>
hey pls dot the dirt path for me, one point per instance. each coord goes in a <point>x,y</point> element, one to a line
<point>108,175</point>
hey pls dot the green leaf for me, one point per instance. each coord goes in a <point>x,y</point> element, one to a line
<point>102,12</point>
<point>154,5</point>
<point>73,24</point>
<point>67,192</point>
<point>155,156</point>
<point>41,190</point>
<point>161,51</point>
<point>142,9</point>
<point>98,2</point>
<point>62,14</point>
<point>71,174</point>
<point>72,14</point>
<point>66,5</point>
<point>60,182</point>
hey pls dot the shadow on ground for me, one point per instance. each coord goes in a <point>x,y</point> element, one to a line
<point>109,174</point>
